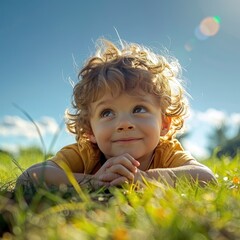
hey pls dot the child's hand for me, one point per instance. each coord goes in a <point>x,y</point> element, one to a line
<point>118,170</point>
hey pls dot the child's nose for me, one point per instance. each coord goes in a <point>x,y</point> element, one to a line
<point>125,124</point>
<point>125,128</point>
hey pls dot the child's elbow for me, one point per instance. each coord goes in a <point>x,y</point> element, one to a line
<point>23,180</point>
<point>207,177</point>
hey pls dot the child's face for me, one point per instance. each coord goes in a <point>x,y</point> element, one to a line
<point>127,124</point>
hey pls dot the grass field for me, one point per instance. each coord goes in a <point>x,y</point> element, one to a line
<point>186,212</point>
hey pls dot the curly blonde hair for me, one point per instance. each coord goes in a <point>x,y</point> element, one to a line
<point>124,69</point>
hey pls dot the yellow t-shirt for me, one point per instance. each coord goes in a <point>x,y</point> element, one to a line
<point>85,158</point>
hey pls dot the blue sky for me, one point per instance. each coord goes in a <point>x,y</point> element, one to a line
<point>41,42</point>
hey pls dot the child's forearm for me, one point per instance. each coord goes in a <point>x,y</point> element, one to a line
<point>50,174</point>
<point>199,173</point>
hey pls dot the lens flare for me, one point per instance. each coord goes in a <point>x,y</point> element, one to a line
<point>217,19</point>
<point>210,26</point>
<point>199,35</point>
<point>189,46</point>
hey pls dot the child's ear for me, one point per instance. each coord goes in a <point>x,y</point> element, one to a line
<point>166,123</point>
<point>91,137</point>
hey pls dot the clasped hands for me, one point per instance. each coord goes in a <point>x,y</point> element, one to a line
<point>118,170</point>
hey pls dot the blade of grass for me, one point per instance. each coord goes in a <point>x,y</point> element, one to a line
<point>55,137</point>
<point>35,125</point>
<point>17,164</point>
<point>74,182</point>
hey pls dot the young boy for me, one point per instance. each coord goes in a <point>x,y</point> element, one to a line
<point>129,104</point>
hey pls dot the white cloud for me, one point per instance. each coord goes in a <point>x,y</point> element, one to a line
<point>12,148</point>
<point>211,119</point>
<point>48,125</point>
<point>198,151</point>
<point>19,127</point>
<point>212,116</point>
<point>201,124</point>
<point>235,119</point>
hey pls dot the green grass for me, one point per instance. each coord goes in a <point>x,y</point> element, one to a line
<point>186,212</point>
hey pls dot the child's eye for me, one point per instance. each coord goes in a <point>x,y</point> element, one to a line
<point>106,113</point>
<point>139,109</point>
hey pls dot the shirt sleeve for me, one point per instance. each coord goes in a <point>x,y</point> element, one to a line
<point>171,154</point>
<point>71,156</point>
